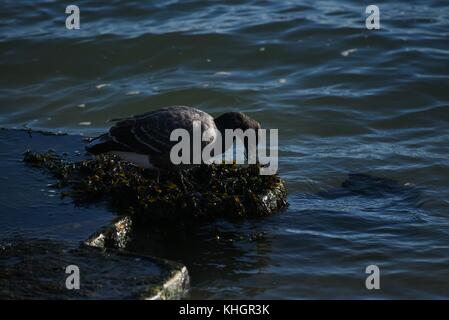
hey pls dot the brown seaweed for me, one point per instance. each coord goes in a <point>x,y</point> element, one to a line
<point>202,191</point>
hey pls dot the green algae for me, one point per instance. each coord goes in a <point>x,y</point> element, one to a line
<point>202,191</point>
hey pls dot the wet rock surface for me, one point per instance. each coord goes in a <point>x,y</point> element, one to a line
<point>36,269</point>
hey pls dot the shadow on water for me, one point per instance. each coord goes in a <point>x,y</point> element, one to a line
<point>222,250</point>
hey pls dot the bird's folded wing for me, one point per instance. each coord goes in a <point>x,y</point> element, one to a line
<point>150,133</point>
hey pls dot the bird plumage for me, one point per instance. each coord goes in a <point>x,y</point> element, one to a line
<point>145,139</point>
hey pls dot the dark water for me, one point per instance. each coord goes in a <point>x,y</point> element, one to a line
<point>345,99</point>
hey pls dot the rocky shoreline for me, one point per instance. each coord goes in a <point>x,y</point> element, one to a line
<point>200,194</point>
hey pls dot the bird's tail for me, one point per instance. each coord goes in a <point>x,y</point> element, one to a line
<point>100,144</point>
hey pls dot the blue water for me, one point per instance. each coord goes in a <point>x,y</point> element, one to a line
<point>345,100</point>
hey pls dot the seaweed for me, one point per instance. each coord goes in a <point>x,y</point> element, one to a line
<point>201,191</point>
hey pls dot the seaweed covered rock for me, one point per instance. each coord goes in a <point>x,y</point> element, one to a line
<point>203,191</point>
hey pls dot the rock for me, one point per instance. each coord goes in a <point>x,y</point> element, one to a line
<point>200,192</point>
<point>118,234</point>
<point>115,235</point>
<point>36,269</point>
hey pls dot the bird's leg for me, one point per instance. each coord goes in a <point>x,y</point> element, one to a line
<point>181,180</point>
<point>158,173</point>
<point>155,168</point>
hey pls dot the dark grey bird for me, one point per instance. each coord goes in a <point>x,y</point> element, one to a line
<point>144,140</point>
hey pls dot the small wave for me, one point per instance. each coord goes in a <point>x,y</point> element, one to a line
<point>346,53</point>
<point>133,93</point>
<point>103,85</point>
<point>223,73</point>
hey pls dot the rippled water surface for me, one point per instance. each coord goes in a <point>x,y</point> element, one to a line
<point>345,99</point>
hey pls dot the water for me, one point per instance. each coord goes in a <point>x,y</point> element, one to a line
<point>345,100</point>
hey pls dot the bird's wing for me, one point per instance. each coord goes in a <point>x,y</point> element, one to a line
<point>149,133</point>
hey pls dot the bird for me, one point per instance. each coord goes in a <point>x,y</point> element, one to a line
<point>144,140</point>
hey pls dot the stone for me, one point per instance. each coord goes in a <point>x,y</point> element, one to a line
<point>36,269</point>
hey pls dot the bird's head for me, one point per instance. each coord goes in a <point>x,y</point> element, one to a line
<point>236,120</point>
<point>239,120</point>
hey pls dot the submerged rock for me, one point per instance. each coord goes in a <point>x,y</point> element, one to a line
<point>36,269</point>
<point>203,191</point>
